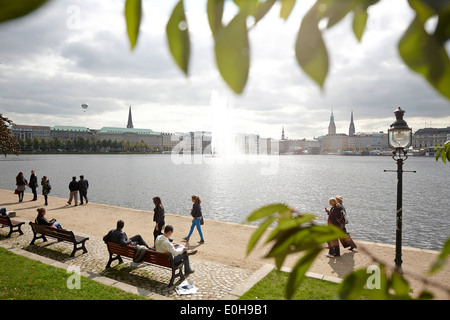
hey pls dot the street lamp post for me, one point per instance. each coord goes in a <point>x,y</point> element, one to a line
<point>400,138</point>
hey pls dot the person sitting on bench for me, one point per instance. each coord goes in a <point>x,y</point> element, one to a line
<point>40,219</point>
<point>179,252</point>
<point>120,237</point>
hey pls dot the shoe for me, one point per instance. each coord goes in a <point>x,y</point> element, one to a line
<point>190,252</point>
<point>189,272</point>
<point>68,203</point>
<point>329,255</point>
<point>201,241</point>
<point>186,238</point>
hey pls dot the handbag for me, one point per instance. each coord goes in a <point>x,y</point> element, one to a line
<point>202,222</point>
<point>16,191</point>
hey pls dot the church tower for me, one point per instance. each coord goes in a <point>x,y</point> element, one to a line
<point>332,126</point>
<point>351,129</point>
<point>282,134</point>
<point>130,119</point>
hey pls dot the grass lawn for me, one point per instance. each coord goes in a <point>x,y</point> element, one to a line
<point>273,287</point>
<point>26,279</point>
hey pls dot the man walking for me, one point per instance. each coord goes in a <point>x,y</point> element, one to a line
<point>73,187</point>
<point>33,185</point>
<point>83,186</point>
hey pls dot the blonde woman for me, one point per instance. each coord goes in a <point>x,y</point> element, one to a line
<point>335,217</point>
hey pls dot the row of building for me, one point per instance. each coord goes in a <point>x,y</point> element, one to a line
<point>423,139</point>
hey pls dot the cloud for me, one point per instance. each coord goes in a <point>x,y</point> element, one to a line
<point>74,52</point>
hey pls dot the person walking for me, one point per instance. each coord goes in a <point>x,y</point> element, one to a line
<point>335,217</point>
<point>33,184</point>
<point>348,241</point>
<point>196,213</point>
<point>46,187</point>
<point>73,187</point>
<point>158,218</point>
<point>83,186</point>
<point>21,182</point>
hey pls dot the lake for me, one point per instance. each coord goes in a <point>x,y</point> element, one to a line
<point>231,188</point>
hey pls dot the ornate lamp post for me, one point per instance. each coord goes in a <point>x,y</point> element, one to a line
<point>400,138</point>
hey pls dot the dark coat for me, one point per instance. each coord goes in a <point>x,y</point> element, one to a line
<point>83,185</point>
<point>158,215</point>
<point>73,186</point>
<point>117,236</point>
<point>335,217</point>
<point>196,210</point>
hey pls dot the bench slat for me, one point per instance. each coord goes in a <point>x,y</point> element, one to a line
<point>150,256</point>
<point>60,234</point>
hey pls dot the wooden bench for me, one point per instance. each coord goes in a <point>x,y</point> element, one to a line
<point>14,226</point>
<point>60,234</point>
<point>116,252</point>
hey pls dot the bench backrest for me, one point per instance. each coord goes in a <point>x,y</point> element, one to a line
<point>151,256</point>
<point>5,220</point>
<point>53,232</point>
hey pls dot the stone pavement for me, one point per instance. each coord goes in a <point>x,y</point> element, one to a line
<point>213,280</point>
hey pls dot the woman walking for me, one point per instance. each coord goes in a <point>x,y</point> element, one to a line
<point>335,218</point>
<point>158,217</point>
<point>348,241</point>
<point>196,213</point>
<point>21,182</point>
<point>46,187</point>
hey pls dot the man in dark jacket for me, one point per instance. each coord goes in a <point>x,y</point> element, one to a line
<point>120,237</point>
<point>33,185</point>
<point>83,186</point>
<point>73,187</point>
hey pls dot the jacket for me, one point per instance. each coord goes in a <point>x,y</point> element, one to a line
<point>73,186</point>
<point>335,217</point>
<point>158,215</point>
<point>83,185</point>
<point>162,244</point>
<point>117,236</point>
<point>196,211</point>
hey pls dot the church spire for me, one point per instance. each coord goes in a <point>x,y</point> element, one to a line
<point>130,119</point>
<point>332,126</point>
<point>351,129</point>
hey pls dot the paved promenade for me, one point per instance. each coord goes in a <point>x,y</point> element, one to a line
<point>222,270</point>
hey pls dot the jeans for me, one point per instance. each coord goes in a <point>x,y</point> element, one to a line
<point>196,223</point>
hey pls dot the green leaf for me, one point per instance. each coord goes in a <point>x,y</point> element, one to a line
<point>400,286</point>
<point>214,9</point>
<point>353,284</point>
<point>426,55</point>
<point>310,49</point>
<point>298,272</point>
<point>13,9</point>
<point>268,210</point>
<point>441,260</point>
<point>258,233</point>
<point>233,53</point>
<point>133,14</point>
<point>178,37</point>
<point>359,23</point>
<point>286,8</point>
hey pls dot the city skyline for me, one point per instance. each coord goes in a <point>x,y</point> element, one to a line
<point>54,63</point>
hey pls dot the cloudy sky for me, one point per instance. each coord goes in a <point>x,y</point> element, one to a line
<point>76,51</point>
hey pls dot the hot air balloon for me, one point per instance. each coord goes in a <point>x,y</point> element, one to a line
<point>84,106</point>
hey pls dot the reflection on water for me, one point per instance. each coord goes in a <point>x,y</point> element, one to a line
<point>230,190</point>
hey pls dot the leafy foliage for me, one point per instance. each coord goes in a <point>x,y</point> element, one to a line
<point>7,142</point>
<point>422,50</point>
<point>443,152</point>
<point>291,235</point>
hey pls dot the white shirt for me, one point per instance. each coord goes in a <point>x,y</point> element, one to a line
<point>162,244</point>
